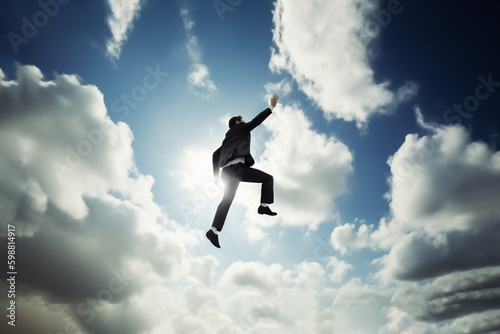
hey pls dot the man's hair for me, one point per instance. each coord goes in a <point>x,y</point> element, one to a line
<point>232,121</point>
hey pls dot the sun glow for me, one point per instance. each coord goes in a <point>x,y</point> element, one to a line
<point>196,171</point>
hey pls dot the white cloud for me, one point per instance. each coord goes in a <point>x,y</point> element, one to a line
<point>274,299</point>
<point>91,220</point>
<point>398,320</point>
<point>199,79</point>
<point>443,187</point>
<point>358,308</point>
<point>442,183</point>
<point>339,269</point>
<point>123,14</point>
<point>462,298</point>
<point>282,88</point>
<point>200,82</point>
<point>67,145</point>
<point>313,42</point>
<point>310,171</point>
<point>255,275</point>
<point>443,228</point>
<point>345,237</point>
<point>257,298</point>
<point>441,234</point>
<point>204,269</point>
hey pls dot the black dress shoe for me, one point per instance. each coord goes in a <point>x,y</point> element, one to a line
<point>214,238</point>
<point>264,210</point>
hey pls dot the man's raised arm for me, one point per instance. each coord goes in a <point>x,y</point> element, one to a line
<point>263,115</point>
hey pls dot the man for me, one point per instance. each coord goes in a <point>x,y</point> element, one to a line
<point>235,160</point>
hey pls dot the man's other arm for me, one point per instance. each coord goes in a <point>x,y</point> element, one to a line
<point>215,162</point>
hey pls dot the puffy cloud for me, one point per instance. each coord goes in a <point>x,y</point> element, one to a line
<point>204,269</point>
<point>358,308</point>
<point>441,234</point>
<point>271,298</point>
<point>200,82</point>
<point>58,134</point>
<point>310,170</point>
<point>444,182</point>
<point>465,297</point>
<point>398,321</point>
<point>443,196</point>
<point>282,88</point>
<point>186,323</point>
<point>339,269</point>
<point>419,256</point>
<point>318,55</point>
<point>443,193</point>
<point>70,187</point>
<point>255,275</point>
<point>345,237</point>
<point>443,228</point>
<point>123,14</point>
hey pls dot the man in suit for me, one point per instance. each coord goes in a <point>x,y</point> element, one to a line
<point>235,160</point>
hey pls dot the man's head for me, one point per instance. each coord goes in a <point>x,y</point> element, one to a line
<point>235,120</point>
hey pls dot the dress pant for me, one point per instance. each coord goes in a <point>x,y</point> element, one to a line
<point>232,176</point>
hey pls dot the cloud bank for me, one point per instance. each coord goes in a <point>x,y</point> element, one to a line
<point>70,186</point>
<point>98,255</point>
<point>86,223</point>
<point>441,235</point>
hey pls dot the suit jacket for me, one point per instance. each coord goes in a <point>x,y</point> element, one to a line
<point>237,143</point>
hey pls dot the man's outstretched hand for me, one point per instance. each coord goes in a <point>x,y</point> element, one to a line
<point>274,99</point>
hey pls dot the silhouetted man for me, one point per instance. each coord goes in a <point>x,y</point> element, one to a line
<point>235,160</point>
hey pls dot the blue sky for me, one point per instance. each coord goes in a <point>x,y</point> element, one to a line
<point>384,150</point>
